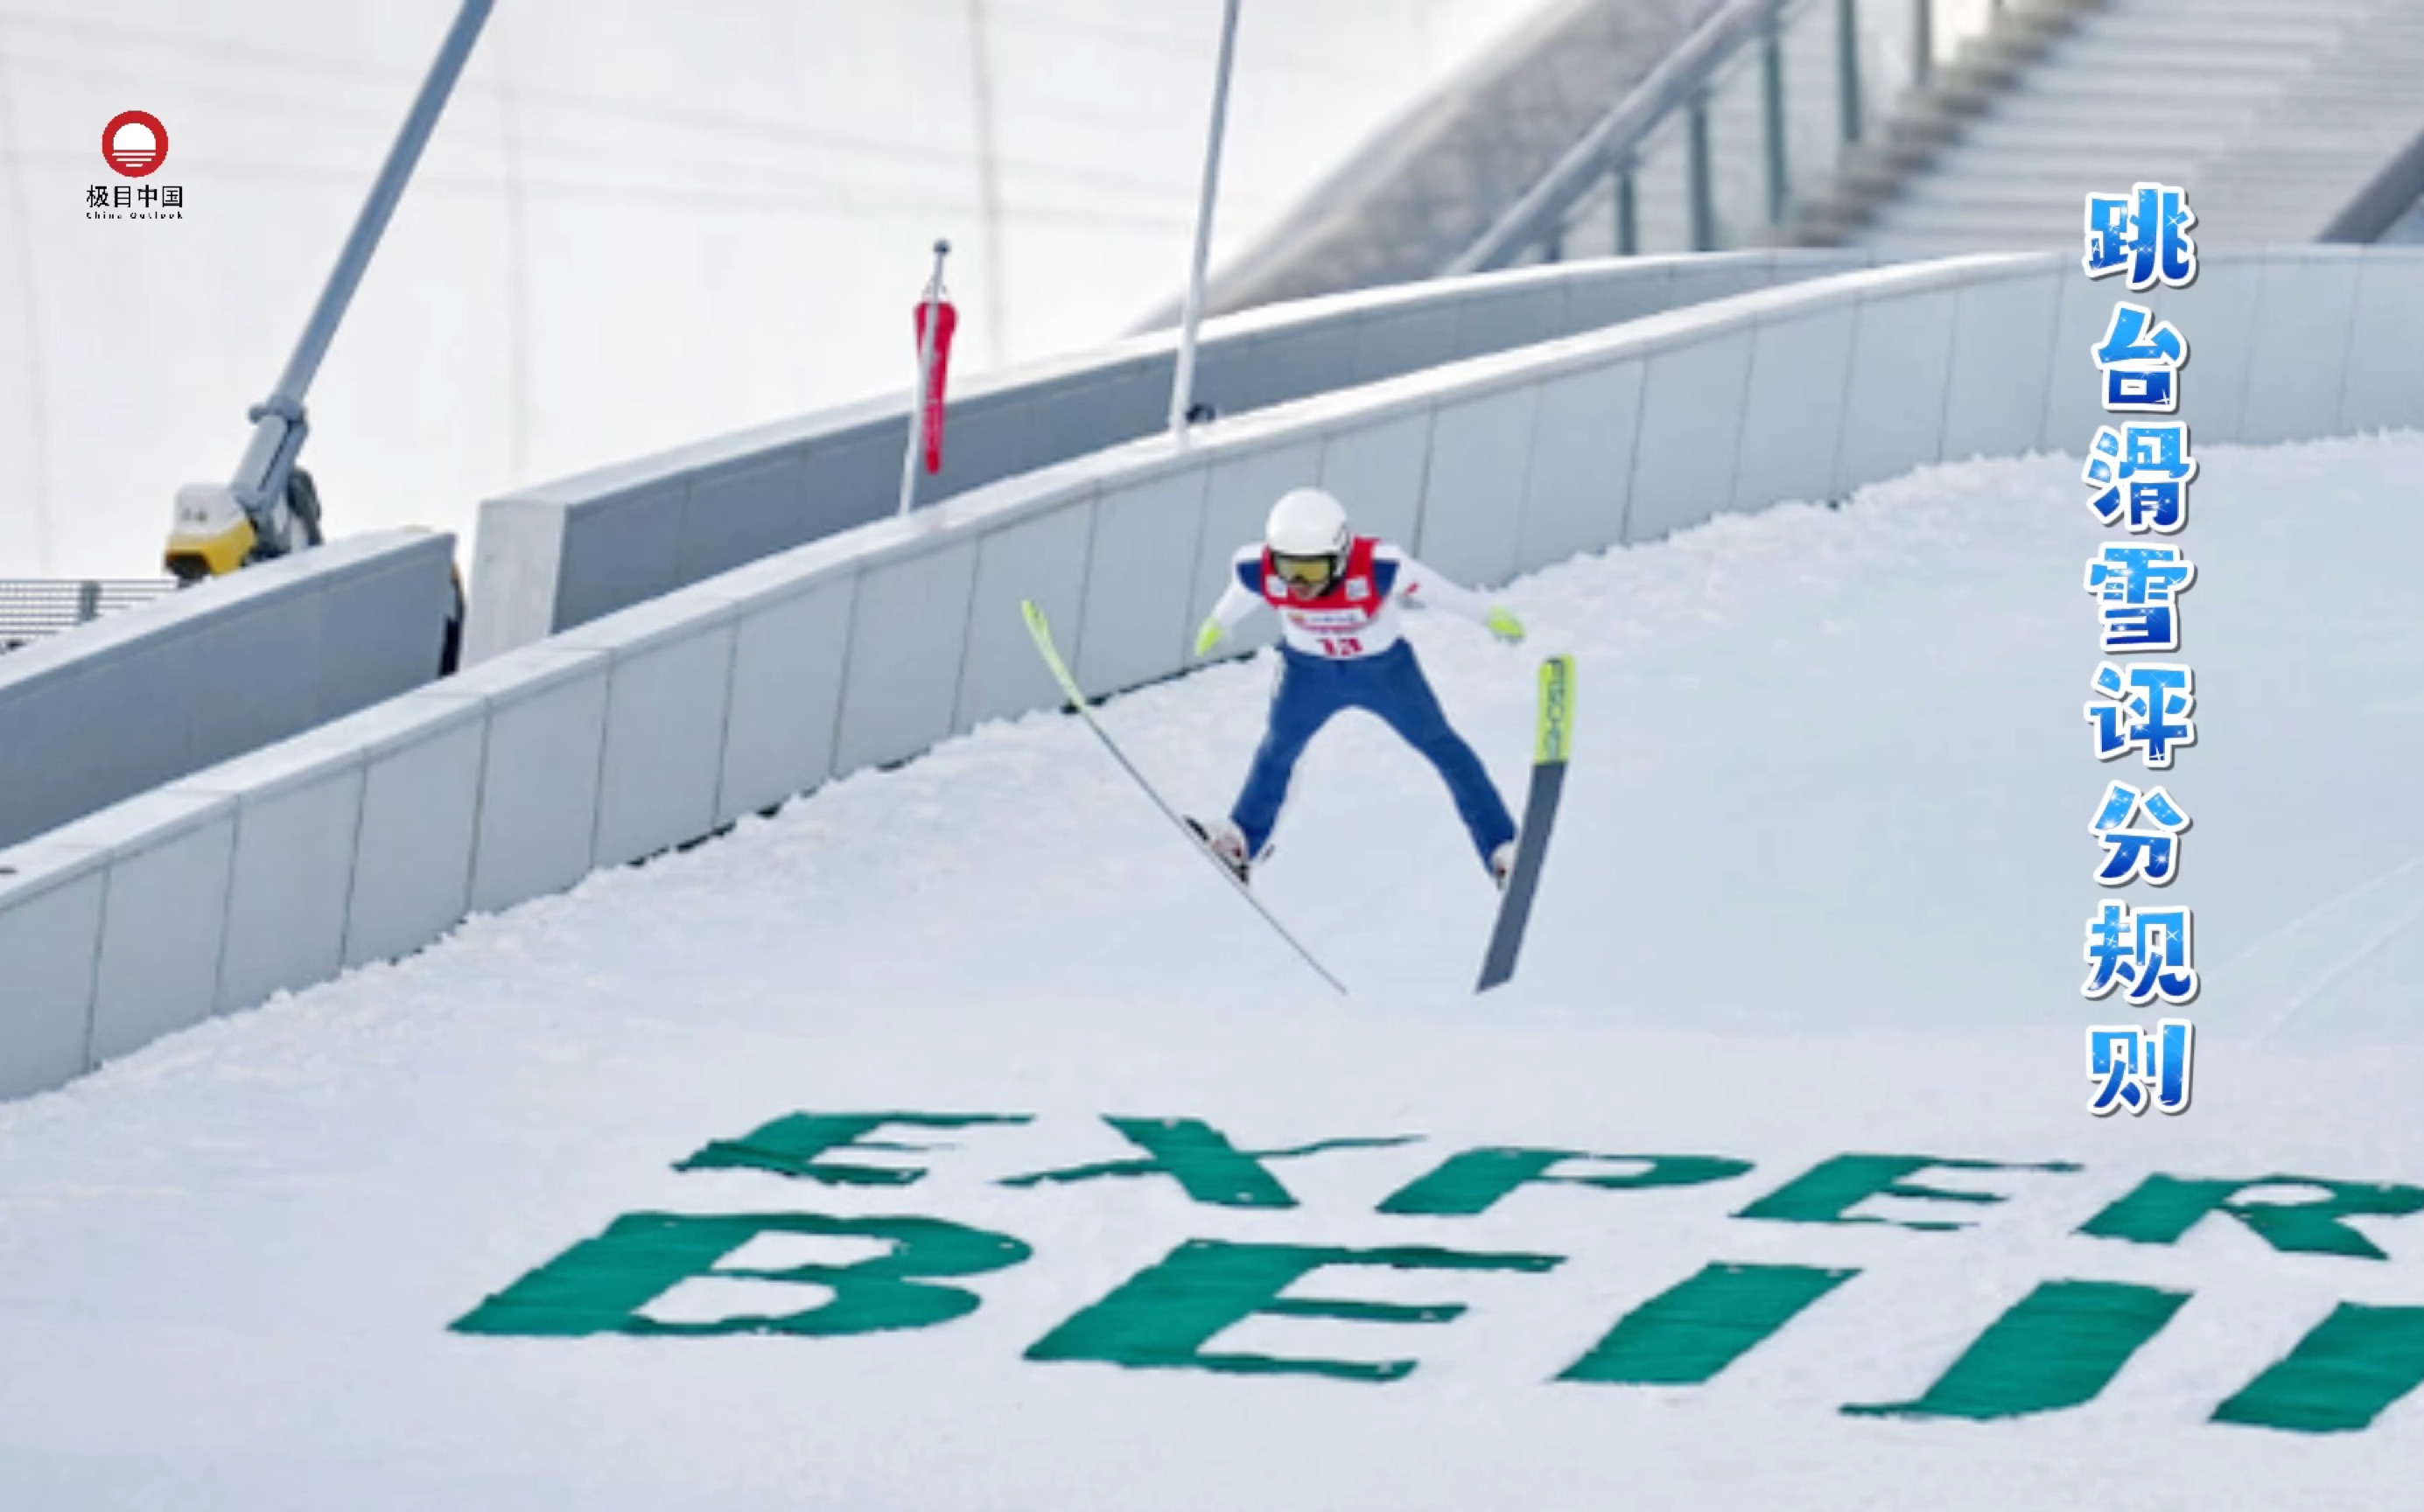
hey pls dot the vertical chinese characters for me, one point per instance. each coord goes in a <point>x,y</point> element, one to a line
<point>2138,472</point>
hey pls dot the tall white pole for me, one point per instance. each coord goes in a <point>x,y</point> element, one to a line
<point>1182,383</point>
<point>933,304</point>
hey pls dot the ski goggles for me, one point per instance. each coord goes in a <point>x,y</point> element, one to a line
<point>1304,571</point>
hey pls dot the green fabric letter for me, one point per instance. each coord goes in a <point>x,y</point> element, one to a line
<point>1165,1314</point>
<point>1685,1335</point>
<point>2357,1361</point>
<point>1202,1161</point>
<point>2162,1208</point>
<point>1472,1181</point>
<point>2057,1347</point>
<point>792,1146</point>
<point>599,1285</point>
<point>1826,1192</point>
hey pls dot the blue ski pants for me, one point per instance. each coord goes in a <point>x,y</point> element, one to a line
<point>1391,685</point>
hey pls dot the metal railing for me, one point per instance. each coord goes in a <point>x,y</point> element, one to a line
<point>33,609</point>
<point>1753,116</point>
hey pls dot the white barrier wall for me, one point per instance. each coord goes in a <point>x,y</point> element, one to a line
<point>559,555</point>
<point>110,709</point>
<point>371,837</point>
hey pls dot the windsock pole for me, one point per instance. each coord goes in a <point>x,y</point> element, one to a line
<point>933,304</point>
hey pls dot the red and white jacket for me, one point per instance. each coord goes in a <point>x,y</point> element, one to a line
<point>1358,615</point>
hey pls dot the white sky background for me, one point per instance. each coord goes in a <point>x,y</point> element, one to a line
<point>639,224</point>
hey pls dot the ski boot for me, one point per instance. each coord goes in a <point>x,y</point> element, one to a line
<point>1226,842</point>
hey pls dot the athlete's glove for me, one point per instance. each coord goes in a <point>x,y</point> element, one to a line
<point>1503,625</point>
<point>1208,637</point>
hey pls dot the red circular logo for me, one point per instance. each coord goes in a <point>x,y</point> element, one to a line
<point>134,142</point>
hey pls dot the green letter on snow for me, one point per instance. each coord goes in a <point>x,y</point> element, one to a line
<point>1472,1181</point>
<point>2357,1361</point>
<point>1827,1192</point>
<point>1686,1334</point>
<point>1164,1315</point>
<point>599,1285</point>
<point>793,1146</point>
<point>2057,1347</point>
<point>1202,1160</point>
<point>2162,1208</point>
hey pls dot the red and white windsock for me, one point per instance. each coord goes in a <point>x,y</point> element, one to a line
<point>935,310</point>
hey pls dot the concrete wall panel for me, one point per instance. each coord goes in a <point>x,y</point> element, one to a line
<point>665,705</point>
<point>908,623</point>
<point>1575,490</point>
<point>50,943</point>
<point>621,551</point>
<point>539,780</point>
<point>422,760</point>
<point>1041,558</point>
<point>2383,384</point>
<point>382,634</point>
<point>855,481</point>
<point>1698,279</point>
<point>164,916</point>
<point>1498,320</point>
<point>2002,355</point>
<point>516,564</point>
<point>1410,339</point>
<point>2304,311</point>
<point>74,744</point>
<point>788,656</point>
<point>248,711</point>
<point>737,514</point>
<point>1691,422</point>
<point>1306,359</point>
<point>290,884</point>
<point>1140,581</point>
<point>1376,468</point>
<point>1793,416</point>
<point>1894,402</point>
<point>1472,503</point>
<point>145,695</point>
<point>1593,303</point>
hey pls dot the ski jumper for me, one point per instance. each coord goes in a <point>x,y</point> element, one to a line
<point>1346,649</point>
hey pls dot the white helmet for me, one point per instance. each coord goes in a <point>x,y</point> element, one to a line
<point>1307,522</point>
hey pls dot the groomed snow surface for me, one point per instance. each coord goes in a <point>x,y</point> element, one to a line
<point>1819,889</point>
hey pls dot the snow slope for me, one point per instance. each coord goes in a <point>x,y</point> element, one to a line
<point>1818,890</point>
<point>639,223</point>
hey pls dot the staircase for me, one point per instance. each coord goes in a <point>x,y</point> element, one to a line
<point>2273,112</point>
<point>1431,183</point>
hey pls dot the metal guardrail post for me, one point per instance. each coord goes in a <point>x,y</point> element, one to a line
<point>1770,101</point>
<point>1704,209</point>
<point>1848,64</point>
<point>1671,85</point>
<point>87,601</point>
<point>1628,217</point>
<point>1922,40</point>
